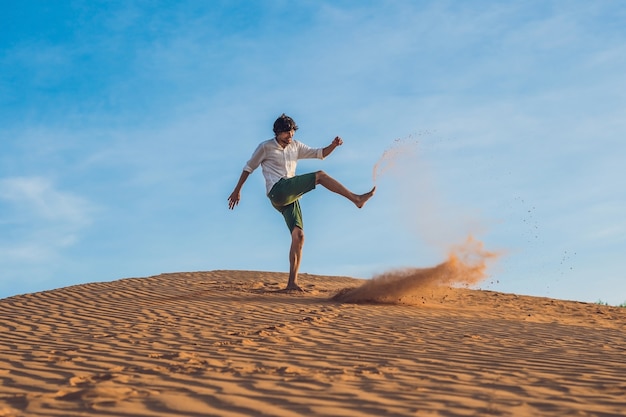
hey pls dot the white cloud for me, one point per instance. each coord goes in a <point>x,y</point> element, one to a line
<point>37,196</point>
<point>39,220</point>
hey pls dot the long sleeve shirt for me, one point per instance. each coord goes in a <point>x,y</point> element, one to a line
<point>278,162</point>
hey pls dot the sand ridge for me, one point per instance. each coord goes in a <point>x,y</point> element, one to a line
<point>229,343</point>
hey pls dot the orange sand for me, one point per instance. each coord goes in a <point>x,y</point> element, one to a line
<point>225,343</point>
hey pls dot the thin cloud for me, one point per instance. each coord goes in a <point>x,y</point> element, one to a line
<point>39,197</point>
<point>39,220</point>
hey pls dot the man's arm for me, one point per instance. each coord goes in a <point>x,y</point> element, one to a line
<point>328,150</point>
<point>235,196</point>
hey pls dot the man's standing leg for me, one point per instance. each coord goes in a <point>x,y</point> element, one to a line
<point>285,198</point>
<point>295,256</point>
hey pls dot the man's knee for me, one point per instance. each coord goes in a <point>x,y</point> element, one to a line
<point>319,175</point>
<point>297,234</point>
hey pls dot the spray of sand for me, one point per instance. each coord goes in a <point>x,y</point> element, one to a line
<point>466,266</point>
<point>391,156</point>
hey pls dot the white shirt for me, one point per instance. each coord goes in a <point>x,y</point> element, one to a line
<point>278,162</point>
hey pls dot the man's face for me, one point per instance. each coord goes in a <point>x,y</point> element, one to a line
<point>284,138</point>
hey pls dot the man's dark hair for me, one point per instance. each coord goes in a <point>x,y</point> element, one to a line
<point>284,124</point>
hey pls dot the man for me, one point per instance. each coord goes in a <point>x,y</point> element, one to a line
<point>278,158</point>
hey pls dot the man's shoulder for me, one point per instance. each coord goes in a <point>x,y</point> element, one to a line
<point>268,142</point>
<point>299,144</point>
<point>265,145</point>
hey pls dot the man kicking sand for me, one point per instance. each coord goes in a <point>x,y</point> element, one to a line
<point>278,158</point>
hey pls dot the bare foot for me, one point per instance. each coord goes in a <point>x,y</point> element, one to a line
<point>294,287</point>
<point>362,199</point>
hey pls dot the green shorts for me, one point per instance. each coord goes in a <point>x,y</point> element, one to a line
<point>285,195</point>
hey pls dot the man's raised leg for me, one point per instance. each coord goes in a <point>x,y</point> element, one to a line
<point>335,186</point>
<point>295,256</point>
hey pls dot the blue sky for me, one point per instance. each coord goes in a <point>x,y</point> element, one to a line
<point>124,127</point>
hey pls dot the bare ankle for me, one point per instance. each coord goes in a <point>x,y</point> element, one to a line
<point>362,199</point>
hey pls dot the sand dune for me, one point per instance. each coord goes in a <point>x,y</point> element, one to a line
<point>227,343</point>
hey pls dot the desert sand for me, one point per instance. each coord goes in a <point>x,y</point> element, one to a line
<point>228,343</point>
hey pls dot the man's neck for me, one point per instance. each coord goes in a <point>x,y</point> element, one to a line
<point>282,144</point>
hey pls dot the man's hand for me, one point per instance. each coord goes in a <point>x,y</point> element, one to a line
<point>337,141</point>
<point>233,199</point>
<point>235,196</point>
